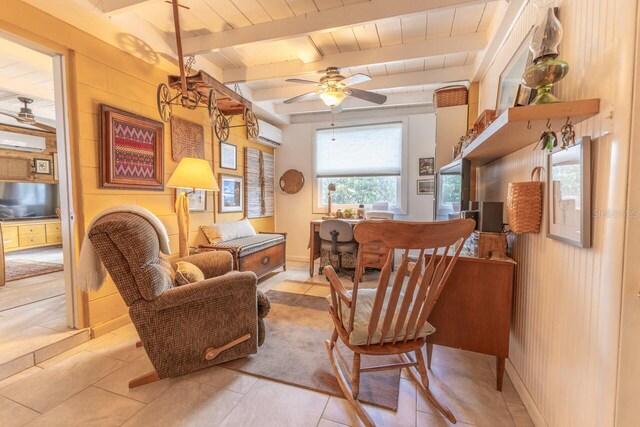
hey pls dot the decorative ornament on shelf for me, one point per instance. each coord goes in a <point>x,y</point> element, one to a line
<point>546,69</point>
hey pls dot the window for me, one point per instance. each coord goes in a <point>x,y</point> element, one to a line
<point>364,162</point>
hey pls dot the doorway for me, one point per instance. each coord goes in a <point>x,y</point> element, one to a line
<point>37,301</point>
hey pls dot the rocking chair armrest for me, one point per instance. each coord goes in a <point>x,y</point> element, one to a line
<point>337,286</point>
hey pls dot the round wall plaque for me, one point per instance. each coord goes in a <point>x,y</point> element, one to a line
<point>291,181</point>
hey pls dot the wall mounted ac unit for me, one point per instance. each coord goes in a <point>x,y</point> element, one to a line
<point>269,134</point>
<point>20,142</point>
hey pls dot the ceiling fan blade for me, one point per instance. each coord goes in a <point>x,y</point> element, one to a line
<point>9,115</point>
<point>356,79</point>
<point>44,127</point>
<point>376,98</point>
<point>307,82</point>
<point>308,95</point>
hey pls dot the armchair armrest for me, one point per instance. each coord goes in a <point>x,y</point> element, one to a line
<point>212,263</point>
<point>231,283</point>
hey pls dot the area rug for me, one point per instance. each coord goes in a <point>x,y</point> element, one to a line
<point>294,352</point>
<point>18,269</point>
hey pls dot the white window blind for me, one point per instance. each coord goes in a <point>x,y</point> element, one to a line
<point>371,150</point>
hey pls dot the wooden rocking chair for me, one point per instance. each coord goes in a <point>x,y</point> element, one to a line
<point>393,319</point>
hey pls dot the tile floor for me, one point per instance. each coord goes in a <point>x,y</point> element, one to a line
<point>88,386</point>
<point>33,324</point>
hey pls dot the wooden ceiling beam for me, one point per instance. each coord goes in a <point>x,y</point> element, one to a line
<point>113,7</point>
<point>417,78</point>
<point>472,42</point>
<point>321,21</point>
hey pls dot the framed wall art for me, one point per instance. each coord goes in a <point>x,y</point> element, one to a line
<point>569,194</point>
<point>510,78</point>
<point>131,151</point>
<point>228,156</point>
<point>187,139</point>
<point>197,199</point>
<point>231,193</point>
<point>42,166</point>
<point>425,166</point>
<point>426,187</point>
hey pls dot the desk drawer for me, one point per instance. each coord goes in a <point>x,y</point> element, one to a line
<point>55,237</point>
<point>30,230</point>
<point>10,237</point>
<point>263,261</point>
<point>32,240</point>
<point>374,248</point>
<point>54,228</point>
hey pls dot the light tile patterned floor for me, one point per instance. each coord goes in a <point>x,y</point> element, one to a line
<point>88,385</point>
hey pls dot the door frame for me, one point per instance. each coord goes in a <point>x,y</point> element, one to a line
<point>59,58</point>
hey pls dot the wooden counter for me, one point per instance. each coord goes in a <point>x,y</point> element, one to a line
<point>474,310</point>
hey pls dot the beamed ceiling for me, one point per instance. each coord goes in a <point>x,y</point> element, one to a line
<point>409,47</point>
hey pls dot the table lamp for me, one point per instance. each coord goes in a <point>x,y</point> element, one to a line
<point>192,174</point>
<point>332,187</point>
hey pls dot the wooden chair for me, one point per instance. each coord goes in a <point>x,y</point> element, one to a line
<point>392,320</point>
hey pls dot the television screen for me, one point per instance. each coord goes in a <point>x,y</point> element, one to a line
<point>453,190</point>
<point>26,200</point>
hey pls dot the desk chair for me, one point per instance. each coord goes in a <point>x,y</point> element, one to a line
<point>336,238</point>
<point>392,318</point>
<point>379,215</point>
<point>380,206</point>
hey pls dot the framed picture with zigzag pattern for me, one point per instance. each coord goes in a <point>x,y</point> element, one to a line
<point>131,151</point>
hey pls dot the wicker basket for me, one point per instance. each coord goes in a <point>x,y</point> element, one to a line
<point>524,204</point>
<point>450,96</point>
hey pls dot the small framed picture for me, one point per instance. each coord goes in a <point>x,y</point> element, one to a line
<point>511,76</point>
<point>197,199</point>
<point>426,166</point>
<point>42,166</point>
<point>231,193</point>
<point>426,187</point>
<point>228,156</point>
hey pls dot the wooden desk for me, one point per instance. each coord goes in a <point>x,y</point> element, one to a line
<point>374,255</point>
<point>474,310</point>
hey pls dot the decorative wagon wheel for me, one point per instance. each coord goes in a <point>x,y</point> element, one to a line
<point>164,102</point>
<point>220,125</point>
<point>251,121</point>
<point>211,105</point>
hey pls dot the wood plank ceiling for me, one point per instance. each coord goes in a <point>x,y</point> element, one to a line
<point>262,42</point>
<point>25,72</point>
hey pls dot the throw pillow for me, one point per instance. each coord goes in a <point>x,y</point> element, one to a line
<point>187,273</point>
<point>225,231</point>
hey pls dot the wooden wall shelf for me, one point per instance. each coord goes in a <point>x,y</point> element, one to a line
<point>518,127</point>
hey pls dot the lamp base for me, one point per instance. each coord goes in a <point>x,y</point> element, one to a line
<point>542,76</point>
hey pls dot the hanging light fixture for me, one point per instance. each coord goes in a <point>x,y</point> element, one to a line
<point>332,97</point>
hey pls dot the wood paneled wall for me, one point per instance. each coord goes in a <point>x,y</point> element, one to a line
<point>564,338</point>
<point>48,153</point>
<point>99,73</point>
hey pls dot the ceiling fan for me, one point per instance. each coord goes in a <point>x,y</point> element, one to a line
<point>334,88</point>
<point>26,116</point>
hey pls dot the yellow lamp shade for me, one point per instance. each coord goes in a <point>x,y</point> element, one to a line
<point>332,97</point>
<point>195,174</point>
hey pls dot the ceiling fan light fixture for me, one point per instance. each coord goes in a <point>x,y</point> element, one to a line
<point>332,97</point>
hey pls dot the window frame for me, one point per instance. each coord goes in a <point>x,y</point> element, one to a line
<point>401,207</point>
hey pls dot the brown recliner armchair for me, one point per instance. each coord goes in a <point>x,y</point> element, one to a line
<point>183,328</point>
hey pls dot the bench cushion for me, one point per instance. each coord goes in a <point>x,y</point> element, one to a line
<point>248,245</point>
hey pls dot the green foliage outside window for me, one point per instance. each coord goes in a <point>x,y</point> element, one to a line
<point>450,188</point>
<point>361,190</point>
